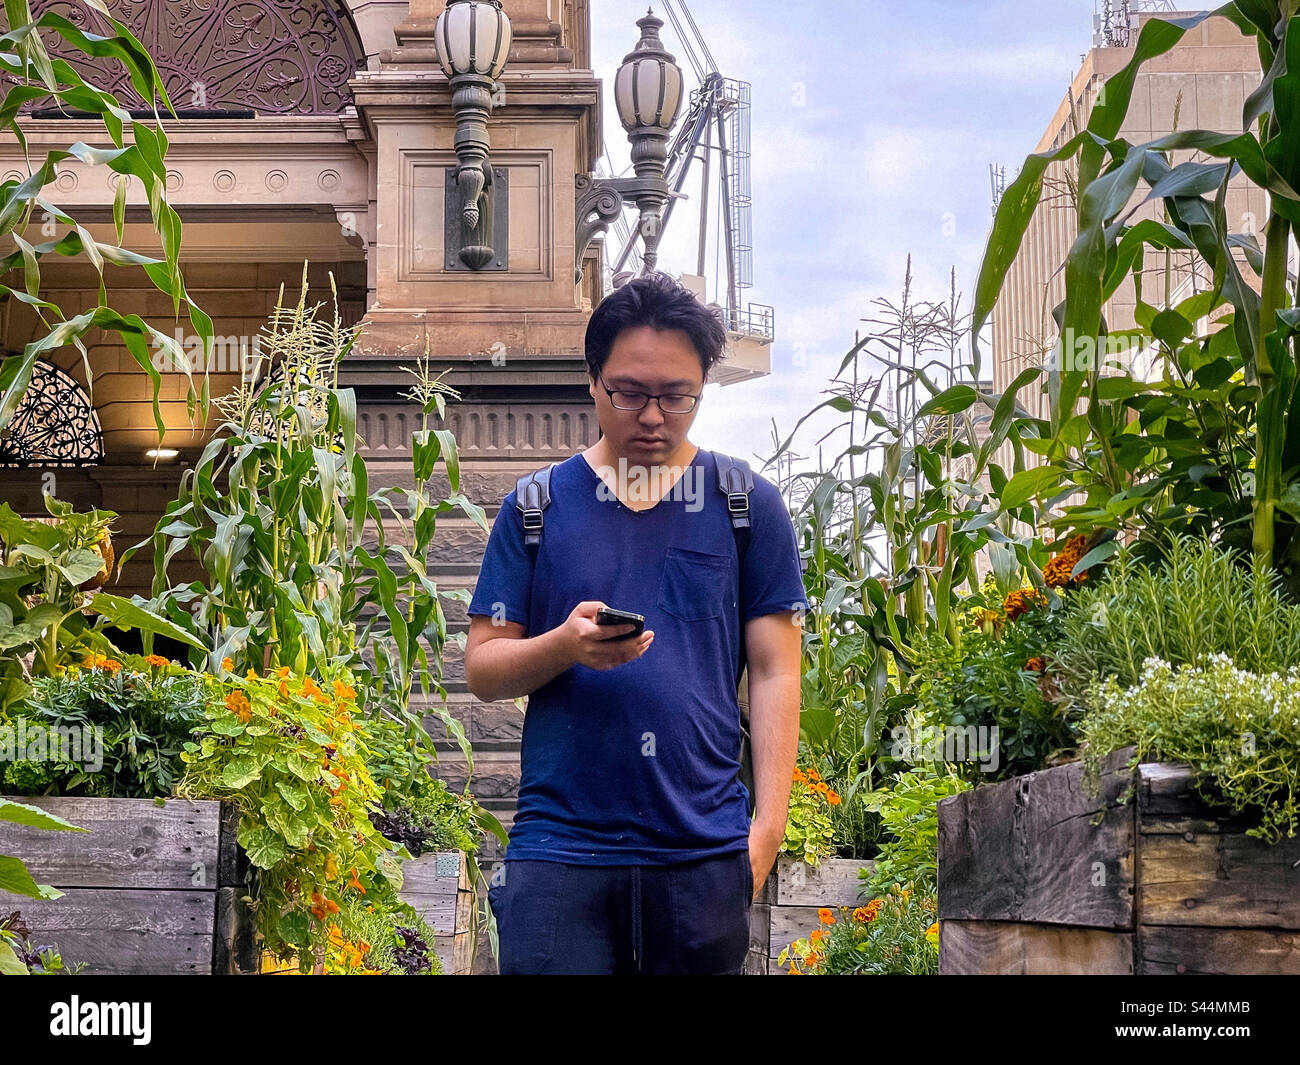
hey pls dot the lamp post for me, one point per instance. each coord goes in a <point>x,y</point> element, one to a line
<point>648,97</point>
<point>472,38</point>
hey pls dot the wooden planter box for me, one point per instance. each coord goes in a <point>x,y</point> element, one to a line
<point>786,908</point>
<point>1028,883</point>
<point>148,890</point>
<point>439,888</point>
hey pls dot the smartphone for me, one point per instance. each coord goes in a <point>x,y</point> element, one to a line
<point>607,615</point>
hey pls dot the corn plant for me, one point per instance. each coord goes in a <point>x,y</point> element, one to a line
<point>300,567</point>
<point>1213,445</point>
<point>28,73</point>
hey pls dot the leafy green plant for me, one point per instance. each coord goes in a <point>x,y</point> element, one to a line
<point>1212,445</point>
<point>808,834</point>
<point>293,757</point>
<point>1239,730</point>
<point>909,811</point>
<point>301,568</point>
<point>895,934</point>
<point>431,817</point>
<point>390,940</point>
<point>143,710</point>
<point>993,685</point>
<point>14,877</point>
<point>1194,599</point>
<point>19,956</point>
<point>24,59</point>
<point>50,611</point>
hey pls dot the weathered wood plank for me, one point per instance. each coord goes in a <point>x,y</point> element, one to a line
<point>834,882</point>
<point>993,948</point>
<point>443,873</point>
<point>790,923</point>
<point>124,932</point>
<point>1219,879</point>
<point>1218,951</point>
<point>131,843</point>
<point>234,948</point>
<point>1168,803</point>
<point>1027,850</point>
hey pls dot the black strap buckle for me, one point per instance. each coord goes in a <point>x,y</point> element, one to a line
<point>737,502</point>
<point>532,519</point>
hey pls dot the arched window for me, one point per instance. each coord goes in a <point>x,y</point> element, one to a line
<point>219,56</point>
<point>54,425</point>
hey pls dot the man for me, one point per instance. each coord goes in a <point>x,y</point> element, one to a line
<point>632,850</point>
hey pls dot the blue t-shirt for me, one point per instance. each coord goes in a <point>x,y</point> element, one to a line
<point>639,764</point>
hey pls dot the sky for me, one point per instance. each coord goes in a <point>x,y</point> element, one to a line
<point>873,125</point>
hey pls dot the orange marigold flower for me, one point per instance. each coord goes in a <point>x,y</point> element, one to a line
<point>815,935</point>
<point>354,882</point>
<point>832,798</point>
<point>344,691</point>
<point>111,664</point>
<point>798,775</point>
<point>813,775</point>
<point>158,660</point>
<point>228,663</point>
<point>825,916</point>
<point>1022,601</point>
<point>1036,664</point>
<point>933,930</point>
<point>860,915</point>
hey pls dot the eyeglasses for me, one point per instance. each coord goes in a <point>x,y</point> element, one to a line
<point>669,402</point>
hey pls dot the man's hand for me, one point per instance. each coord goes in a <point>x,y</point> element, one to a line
<point>593,645</point>
<point>764,845</point>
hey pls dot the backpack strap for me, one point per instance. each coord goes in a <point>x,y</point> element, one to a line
<point>532,497</point>
<point>736,482</point>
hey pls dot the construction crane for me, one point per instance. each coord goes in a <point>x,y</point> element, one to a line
<point>717,121</point>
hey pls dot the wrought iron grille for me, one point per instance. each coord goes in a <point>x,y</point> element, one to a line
<point>54,425</point>
<point>215,56</point>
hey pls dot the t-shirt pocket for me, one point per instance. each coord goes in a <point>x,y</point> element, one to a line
<point>693,584</point>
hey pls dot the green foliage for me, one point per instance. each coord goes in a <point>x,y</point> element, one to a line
<point>1212,444</point>
<point>1239,730</point>
<point>909,812</point>
<point>14,877</point>
<point>391,939</point>
<point>33,76</point>
<point>986,682</point>
<point>146,711</point>
<point>44,622</point>
<point>895,934</point>
<point>19,956</point>
<point>1193,600</point>
<point>293,757</point>
<point>808,834</point>
<point>429,817</point>
<point>301,567</point>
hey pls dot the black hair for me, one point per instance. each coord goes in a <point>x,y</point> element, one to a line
<point>662,302</point>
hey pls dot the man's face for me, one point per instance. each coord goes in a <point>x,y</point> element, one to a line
<point>652,361</point>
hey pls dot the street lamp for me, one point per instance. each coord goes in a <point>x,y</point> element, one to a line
<point>648,97</point>
<point>472,38</point>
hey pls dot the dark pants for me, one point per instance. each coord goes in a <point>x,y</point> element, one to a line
<point>688,918</point>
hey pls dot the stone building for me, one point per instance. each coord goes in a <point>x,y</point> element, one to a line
<point>324,130</point>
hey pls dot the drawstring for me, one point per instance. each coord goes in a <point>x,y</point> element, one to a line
<point>636,916</point>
